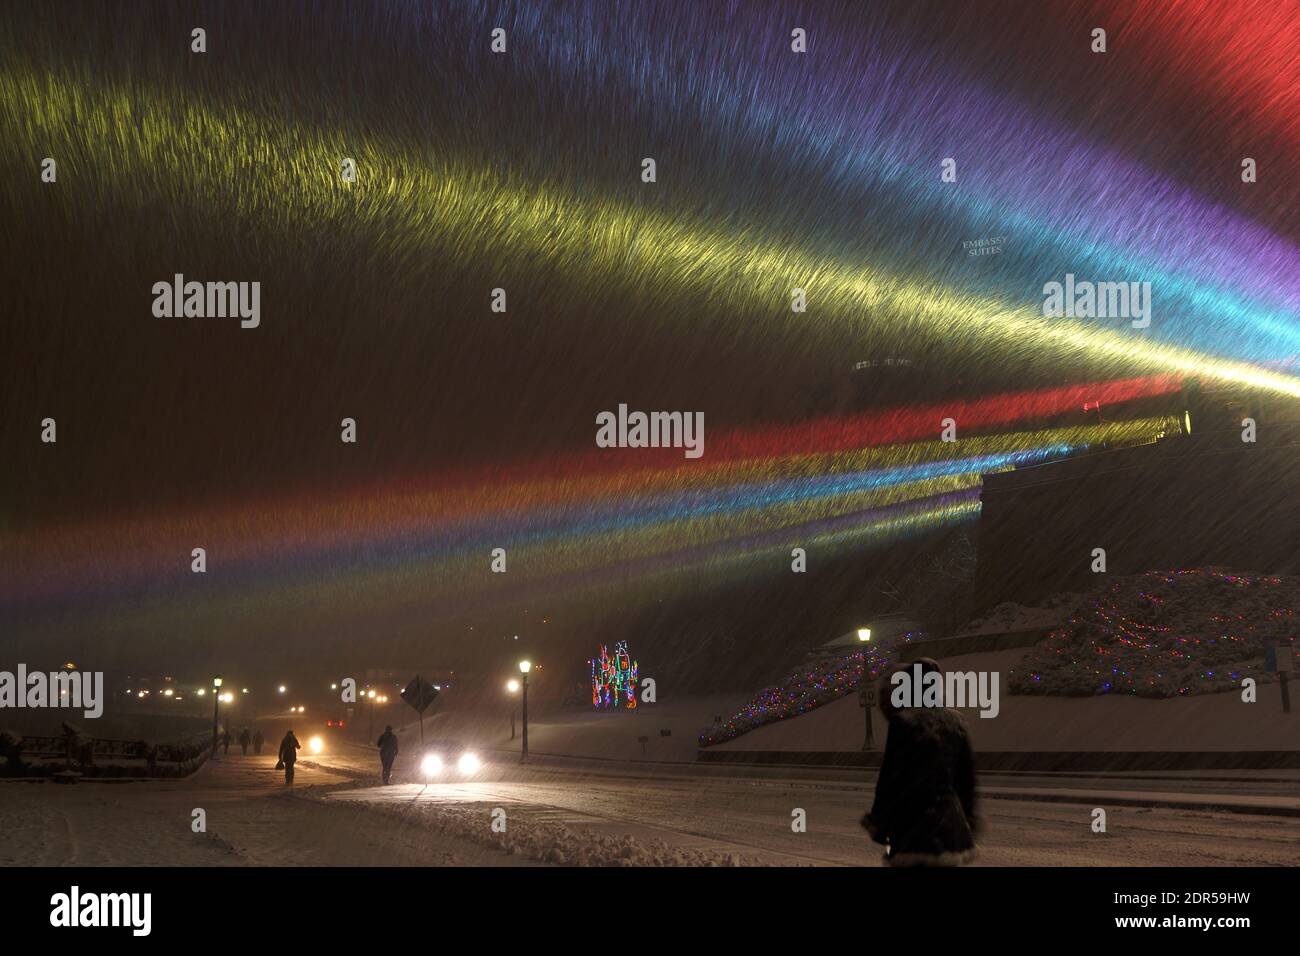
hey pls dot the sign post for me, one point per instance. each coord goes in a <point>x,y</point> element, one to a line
<point>867,700</point>
<point>420,694</point>
<point>1285,664</point>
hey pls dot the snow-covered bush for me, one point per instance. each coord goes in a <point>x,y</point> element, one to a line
<point>808,686</point>
<point>11,749</point>
<point>1165,634</point>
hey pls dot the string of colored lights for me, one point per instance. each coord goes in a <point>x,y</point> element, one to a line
<point>614,679</point>
<point>808,687</point>
<point>1164,634</point>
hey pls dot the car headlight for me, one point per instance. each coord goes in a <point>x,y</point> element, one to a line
<point>468,763</point>
<point>431,765</point>
<point>316,745</point>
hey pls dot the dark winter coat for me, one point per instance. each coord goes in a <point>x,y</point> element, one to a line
<point>925,796</point>
<point>387,747</point>
<point>289,748</point>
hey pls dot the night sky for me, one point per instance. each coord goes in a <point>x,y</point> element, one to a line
<point>522,170</point>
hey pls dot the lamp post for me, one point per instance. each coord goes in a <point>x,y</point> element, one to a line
<point>524,668</point>
<point>512,688</point>
<point>216,702</point>
<point>371,695</point>
<point>866,692</point>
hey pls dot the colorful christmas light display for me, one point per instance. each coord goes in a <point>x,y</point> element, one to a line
<point>1165,634</point>
<point>613,679</point>
<point>807,687</point>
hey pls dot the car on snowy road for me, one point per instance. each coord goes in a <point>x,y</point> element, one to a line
<point>449,760</point>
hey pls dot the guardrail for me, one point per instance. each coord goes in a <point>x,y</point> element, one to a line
<point>102,757</point>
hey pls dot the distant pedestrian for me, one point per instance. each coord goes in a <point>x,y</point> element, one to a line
<point>387,750</point>
<point>258,742</point>
<point>924,811</point>
<point>244,740</point>
<point>225,741</point>
<point>289,747</point>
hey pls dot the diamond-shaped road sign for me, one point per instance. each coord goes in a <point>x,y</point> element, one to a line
<point>419,694</point>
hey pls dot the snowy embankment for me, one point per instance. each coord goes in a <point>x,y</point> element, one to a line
<point>1166,634</point>
<point>1205,722</point>
<point>560,844</point>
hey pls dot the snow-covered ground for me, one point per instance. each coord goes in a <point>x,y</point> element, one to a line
<point>338,814</point>
<point>252,819</point>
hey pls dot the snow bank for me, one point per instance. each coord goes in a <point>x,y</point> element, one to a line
<point>554,843</point>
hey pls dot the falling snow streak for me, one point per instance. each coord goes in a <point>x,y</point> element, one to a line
<point>412,202</point>
<point>601,478</point>
<point>878,132</point>
<point>356,548</point>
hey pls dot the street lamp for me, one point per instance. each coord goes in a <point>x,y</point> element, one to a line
<point>524,668</point>
<point>216,702</point>
<point>512,688</point>
<point>866,693</point>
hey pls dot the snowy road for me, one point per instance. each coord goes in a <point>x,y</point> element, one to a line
<point>337,814</point>
<point>251,818</point>
<point>752,818</point>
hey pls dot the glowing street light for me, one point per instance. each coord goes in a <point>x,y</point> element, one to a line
<point>512,688</point>
<point>283,688</point>
<point>524,668</point>
<point>216,703</point>
<point>864,634</point>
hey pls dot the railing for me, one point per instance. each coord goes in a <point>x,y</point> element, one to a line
<point>84,750</point>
